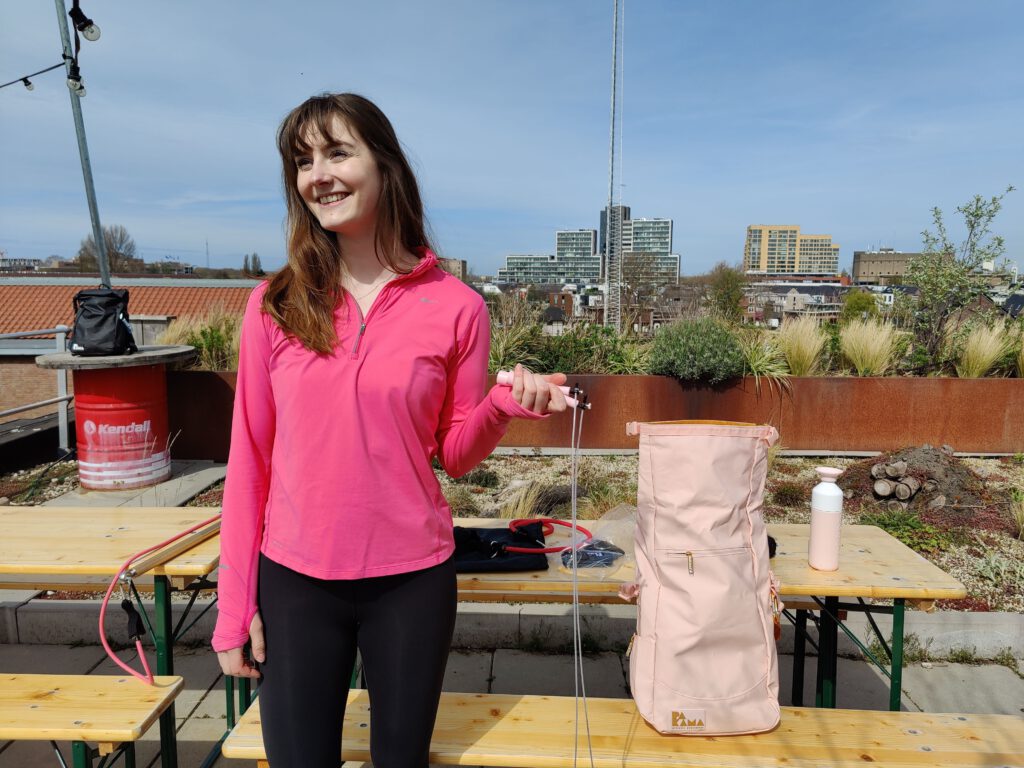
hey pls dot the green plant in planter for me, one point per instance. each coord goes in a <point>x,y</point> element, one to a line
<point>762,357</point>
<point>802,341</point>
<point>701,351</point>
<point>870,346</point>
<point>980,350</point>
<point>215,336</point>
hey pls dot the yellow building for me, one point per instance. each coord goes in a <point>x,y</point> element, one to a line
<point>780,249</point>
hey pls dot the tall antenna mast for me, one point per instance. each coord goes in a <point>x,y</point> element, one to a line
<point>612,261</point>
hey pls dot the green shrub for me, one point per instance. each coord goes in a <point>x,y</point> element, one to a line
<point>905,525</point>
<point>790,494</point>
<point>697,351</point>
<point>482,477</point>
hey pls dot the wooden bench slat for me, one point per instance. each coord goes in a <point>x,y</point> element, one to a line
<point>537,732</point>
<point>96,708</point>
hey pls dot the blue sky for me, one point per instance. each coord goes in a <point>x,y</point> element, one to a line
<point>852,119</point>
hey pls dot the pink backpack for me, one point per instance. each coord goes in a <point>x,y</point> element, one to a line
<point>703,659</point>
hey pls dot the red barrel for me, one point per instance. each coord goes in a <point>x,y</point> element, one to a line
<point>121,425</point>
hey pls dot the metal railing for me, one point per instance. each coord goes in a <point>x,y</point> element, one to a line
<point>63,398</point>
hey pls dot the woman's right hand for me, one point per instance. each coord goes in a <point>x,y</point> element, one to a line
<point>234,662</point>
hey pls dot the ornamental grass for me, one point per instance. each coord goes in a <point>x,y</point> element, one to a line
<point>215,336</point>
<point>801,342</point>
<point>869,346</point>
<point>982,348</point>
<point>762,357</point>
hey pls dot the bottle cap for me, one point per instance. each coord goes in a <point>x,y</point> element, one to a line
<point>828,474</point>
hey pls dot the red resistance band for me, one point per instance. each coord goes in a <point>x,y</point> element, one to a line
<point>548,528</point>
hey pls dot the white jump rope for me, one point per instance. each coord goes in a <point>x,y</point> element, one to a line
<point>577,400</point>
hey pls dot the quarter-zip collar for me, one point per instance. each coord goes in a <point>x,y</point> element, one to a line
<point>388,295</point>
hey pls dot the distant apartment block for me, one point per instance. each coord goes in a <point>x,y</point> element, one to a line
<point>576,243</point>
<point>647,236</point>
<point>549,269</point>
<point>455,267</point>
<point>642,267</point>
<point>610,246</point>
<point>19,265</point>
<point>780,249</point>
<point>886,266</point>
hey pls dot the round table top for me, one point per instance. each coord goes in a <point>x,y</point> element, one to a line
<point>147,355</point>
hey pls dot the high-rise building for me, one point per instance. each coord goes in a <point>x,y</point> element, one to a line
<point>647,236</point>
<point>576,242</point>
<point>780,249</point>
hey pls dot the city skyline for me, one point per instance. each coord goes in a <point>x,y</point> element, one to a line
<point>851,120</point>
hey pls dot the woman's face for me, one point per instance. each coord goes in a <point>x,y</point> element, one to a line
<point>339,181</point>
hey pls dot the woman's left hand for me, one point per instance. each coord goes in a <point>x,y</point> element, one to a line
<point>538,393</point>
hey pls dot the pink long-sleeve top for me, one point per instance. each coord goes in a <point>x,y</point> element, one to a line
<point>329,472</point>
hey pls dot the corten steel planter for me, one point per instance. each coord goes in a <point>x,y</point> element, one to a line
<point>815,413</point>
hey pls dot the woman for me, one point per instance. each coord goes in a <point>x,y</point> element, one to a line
<point>361,360</point>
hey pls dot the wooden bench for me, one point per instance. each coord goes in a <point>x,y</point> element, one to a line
<point>528,731</point>
<point>110,711</point>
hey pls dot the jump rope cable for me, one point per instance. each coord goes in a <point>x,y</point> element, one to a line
<point>125,575</point>
<point>578,676</point>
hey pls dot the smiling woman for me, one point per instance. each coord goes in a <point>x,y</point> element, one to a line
<point>360,362</point>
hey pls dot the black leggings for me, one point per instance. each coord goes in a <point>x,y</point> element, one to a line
<point>402,626</point>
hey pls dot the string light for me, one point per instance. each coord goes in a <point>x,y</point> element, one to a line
<point>90,31</point>
<point>75,80</point>
<point>24,80</point>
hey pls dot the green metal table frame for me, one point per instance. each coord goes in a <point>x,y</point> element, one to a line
<point>829,623</point>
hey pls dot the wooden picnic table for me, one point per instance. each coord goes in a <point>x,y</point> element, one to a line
<point>85,547</point>
<point>873,565</point>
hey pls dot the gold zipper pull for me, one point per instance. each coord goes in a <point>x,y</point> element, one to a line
<point>689,562</point>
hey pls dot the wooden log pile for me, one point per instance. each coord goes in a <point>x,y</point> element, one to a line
<point>893,482</point>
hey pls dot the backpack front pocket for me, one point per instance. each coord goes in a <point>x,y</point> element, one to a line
<point>708,620</point>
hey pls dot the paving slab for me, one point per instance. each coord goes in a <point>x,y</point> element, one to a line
<point>552,674</point>
<point>968,688</point>
<point>50,659</point>
<point>188,479</point>
<point>468,672</point>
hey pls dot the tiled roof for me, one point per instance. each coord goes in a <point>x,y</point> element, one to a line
<point>30,307</point>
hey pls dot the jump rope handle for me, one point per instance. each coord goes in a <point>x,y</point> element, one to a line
<point>506,378</point>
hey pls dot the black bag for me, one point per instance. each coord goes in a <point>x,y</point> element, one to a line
<point>102,326</point>
<point>482,550</point>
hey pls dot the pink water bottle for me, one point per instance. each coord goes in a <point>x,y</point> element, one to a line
<point>826,521</point>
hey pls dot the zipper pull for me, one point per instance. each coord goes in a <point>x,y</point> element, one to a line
<point>359,337</point>
<point>689,562</point>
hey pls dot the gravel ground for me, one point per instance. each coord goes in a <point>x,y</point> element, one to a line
<point>990,563</point>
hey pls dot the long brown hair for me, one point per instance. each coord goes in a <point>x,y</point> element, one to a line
<point>303,295</point>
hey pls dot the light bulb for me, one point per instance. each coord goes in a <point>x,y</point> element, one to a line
<point>28,84</point>
<point>84,24</point>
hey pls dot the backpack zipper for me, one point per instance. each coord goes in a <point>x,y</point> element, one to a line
<point>690,555</point>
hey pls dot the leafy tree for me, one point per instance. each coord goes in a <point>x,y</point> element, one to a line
<point>725,292</point>
<point>245,265</point>
<point>255,265</point>
<point>947,274</point>
<point>120,249</point>
<point>858,305</point>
